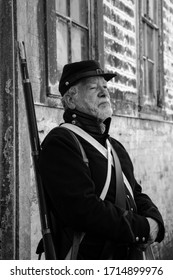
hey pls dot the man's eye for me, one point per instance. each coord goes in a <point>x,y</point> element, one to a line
<point>93,87</point>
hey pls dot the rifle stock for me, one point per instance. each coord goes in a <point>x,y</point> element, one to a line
<point>49,248</point>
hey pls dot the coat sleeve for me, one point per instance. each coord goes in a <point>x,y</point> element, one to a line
<point>145,206</point>
<point>68,184</point>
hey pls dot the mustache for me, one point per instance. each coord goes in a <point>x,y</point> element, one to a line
<point>105,100</point>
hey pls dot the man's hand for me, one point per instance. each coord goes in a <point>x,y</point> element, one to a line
<point>154,228</point>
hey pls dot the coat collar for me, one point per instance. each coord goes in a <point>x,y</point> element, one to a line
<point>89,123</point>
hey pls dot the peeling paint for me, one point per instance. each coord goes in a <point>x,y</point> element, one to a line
<point>8,86</point>
<point>6,219</point>
<point>8,143</point>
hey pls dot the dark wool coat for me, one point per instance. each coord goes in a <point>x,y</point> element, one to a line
<point>73,191</point>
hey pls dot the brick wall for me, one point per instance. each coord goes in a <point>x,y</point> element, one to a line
<point>168,57</point>
<point>120,53</point>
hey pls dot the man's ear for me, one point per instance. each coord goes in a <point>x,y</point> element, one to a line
<point>70,101</point>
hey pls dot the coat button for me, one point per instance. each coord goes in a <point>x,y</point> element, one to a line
<point>131,209</point>
<point>143,239</point>
<point>137,238</point>
<point>73,122</point>
<point>74,116</point>
<point>128,196</point>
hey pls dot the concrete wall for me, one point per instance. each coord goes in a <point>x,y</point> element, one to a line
<point>150,146</point>
<point>30,30</point>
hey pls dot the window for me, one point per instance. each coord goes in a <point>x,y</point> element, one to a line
<point>151,54</point>
<point>70,36</point>
<point>72,30</point>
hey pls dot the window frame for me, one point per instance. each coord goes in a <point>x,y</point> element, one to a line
<point>53,97</point>
<point>71,23</point>
<point>150,105</point>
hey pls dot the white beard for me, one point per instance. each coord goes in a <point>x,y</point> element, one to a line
<point>103,112</point>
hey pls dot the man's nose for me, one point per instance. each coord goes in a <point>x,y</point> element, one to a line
<point>103,92</point>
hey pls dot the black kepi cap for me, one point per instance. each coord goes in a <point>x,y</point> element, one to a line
<point>73,72</point>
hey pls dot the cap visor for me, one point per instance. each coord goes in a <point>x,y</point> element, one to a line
<point>108,76</point>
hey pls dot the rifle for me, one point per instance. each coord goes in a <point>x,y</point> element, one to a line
<point>48,244</point>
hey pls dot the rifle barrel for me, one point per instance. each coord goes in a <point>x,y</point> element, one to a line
<point>49,248</point>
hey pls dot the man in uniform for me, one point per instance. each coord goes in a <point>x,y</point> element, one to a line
<point>109,228</point>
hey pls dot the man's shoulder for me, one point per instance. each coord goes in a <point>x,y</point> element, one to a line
<point>58,130</point>
<point>58,133</point>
